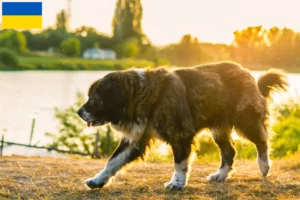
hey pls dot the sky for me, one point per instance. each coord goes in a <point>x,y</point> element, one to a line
<point>166,21</point>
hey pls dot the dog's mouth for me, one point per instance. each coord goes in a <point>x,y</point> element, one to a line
<point>96,123</point>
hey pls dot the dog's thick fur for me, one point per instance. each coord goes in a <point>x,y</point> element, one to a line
<point>174,106</point>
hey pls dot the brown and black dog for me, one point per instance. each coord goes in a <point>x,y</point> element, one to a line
<point>174,106</point>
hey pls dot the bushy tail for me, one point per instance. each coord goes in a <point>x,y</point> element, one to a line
<point>272,80</point>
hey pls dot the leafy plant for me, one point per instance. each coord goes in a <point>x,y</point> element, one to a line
<point>8,58</point>
<point>286,139</point>
<point>71,47</point>
<point>74,136</point>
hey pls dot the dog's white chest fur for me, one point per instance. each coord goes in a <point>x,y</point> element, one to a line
<point>131,130</point>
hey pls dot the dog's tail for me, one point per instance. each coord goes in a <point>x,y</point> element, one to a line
<point>272,80</point>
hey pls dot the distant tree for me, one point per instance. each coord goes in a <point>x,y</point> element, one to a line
<point>127,21</point>
<point>127,24</point>
<point>297,49</point>
<point>71,47</point>
<point>55,38</point>
<point>285,47</point>
<point>249,44</point>
<point>128,49</point>
<point>62,21</point>
<point>96,45</point>
<point>13,40</point>
<point>88,36</point>
<point>186,53</point>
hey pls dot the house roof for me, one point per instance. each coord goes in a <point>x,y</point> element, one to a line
<point>96,50</point>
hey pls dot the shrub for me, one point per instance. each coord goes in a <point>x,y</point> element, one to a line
<point>72,134</point>
<point>128,49</point>
<point>71,47</point>
<point>286,138</point>
<point>8,58</point>
<point>13,40</point>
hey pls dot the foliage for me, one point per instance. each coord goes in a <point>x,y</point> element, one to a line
<point>13,40</point>
<point>187,52</point>
<point>71,47</point>
<point>286,139</point>
<point>128,49</point>
<point>127,21</point>
<point>62,21</point>
<point>8,58</point>
<point>274,46</point>
<point>127,30</point>
<point>71,134</point>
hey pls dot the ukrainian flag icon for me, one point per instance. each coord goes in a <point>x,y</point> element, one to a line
<point>21,15</point>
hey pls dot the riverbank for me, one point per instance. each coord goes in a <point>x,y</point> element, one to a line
<point>65,64</point>
<point>55,178</point>
<point>47,63</point>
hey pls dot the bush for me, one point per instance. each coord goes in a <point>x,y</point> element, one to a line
<point>128,49</point>
<point>286,139</point>
<point>72,134</point>
<point>13,40</point>
<point>71,47</point>
<point>8,58</point>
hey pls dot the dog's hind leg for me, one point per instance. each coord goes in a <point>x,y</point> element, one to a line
<point>124,154</point>
<point>181,151</point>
<point>257,133</point>
<point>223,139</point>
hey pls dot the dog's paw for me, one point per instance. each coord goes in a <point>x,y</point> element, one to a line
<point>218,176</point>
<point>264,167</point>
<point>174,186</point>
<point>94,183</point>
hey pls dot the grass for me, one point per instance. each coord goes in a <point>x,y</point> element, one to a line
<point>63,63</point>
<point>52,178</point>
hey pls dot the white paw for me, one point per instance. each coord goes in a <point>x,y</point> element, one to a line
<point>264,167</point>
<point>98,181</point>
<point>174,186</point>
<point>220,175</point>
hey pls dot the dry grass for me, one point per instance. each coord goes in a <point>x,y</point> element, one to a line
<point>51,178</point>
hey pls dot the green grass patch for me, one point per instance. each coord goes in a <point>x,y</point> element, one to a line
<point>54,63</point>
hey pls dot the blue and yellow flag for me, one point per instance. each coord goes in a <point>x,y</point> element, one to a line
<point>22,15</point>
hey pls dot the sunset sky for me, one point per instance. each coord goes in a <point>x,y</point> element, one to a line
<point>165,21</point>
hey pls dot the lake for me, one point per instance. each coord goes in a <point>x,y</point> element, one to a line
<point>29,94</point>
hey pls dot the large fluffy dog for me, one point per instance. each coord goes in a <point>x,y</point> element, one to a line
<point>174,106</point>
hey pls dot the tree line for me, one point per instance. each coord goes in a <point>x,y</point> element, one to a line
<point>252,45</point>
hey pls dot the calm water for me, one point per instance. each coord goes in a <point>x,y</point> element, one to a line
<point>25,95</point>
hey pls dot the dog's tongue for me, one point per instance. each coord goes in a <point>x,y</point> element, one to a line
<point>89,124</point>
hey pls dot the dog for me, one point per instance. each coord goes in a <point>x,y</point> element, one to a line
<point>174,105</point>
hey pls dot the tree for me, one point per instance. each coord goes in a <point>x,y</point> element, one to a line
<point>128,49</point>
<point>285,47</point>
<point>186,53</point>
<point>127,21</point>
<point>62,21</point>
<point>71,47</point>
<point>13,40</point>
<point>297,49</point>
<point>96,45</point>
<point>249,44</point>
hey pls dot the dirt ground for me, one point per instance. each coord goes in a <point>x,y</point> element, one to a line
<point>53,178</point>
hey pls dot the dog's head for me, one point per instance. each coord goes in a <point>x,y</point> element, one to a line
<point>106,101</point>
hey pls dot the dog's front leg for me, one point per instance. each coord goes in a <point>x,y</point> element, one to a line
<point>124,154</point>
<point>181,151</point>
